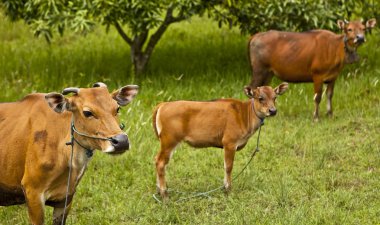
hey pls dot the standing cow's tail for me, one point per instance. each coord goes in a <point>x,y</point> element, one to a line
<point>154,119</point>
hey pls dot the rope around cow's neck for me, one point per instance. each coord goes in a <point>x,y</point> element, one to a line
<point>89,153</point>
<point>205,194</point>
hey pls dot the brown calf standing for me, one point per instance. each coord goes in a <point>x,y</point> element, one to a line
<point>225,123</point>
<point>316,56</point>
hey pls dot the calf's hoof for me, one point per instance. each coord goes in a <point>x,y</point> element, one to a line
<point>163,193</point>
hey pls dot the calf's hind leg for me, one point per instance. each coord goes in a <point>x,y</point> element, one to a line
<point>162,159</point>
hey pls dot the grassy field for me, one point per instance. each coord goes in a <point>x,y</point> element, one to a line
<point>306,172</point>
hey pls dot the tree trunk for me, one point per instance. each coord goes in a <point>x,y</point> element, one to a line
<point>139,60</point>
<point>139,55</point>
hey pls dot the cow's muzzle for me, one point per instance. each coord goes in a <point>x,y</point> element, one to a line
<point>120,142</point>
<point>359,39</point>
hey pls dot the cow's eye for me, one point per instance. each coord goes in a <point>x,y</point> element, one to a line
<point>349,30</point>
<point>261,99</point>
<point>87,113</point>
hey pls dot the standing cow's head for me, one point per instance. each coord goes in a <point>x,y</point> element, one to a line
<point>95,113</point>
<point>355,31</point>
<point>264,98</point>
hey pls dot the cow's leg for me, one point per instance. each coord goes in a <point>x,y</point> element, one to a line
<point>162,159</point>
<point>330,93</point>
<point>260,77</point>
<point>229,155</point>
<point>318,86</point>
<point>35,203</point>
<point>58,215</point>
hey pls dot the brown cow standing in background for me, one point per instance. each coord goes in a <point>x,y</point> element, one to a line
<point>316,56</point>
<point>34,156</point>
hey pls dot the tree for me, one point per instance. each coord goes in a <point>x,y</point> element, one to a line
<point>293,15</point>
<point>146,20</point>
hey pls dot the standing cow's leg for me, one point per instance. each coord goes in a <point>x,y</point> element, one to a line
<point>229,155</point>
<point>58,215</point>
<point>318,86</point>
<point>260,77</point>
<point>35,202</point>
<point>162,159</point>
<point>330,93</point>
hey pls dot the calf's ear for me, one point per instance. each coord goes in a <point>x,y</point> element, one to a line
<point>251,93</point>
<point>370,23</point>
<point>280,89</point>
<point>125,95</point>
<point>57,102</point>
<point>248,91</point>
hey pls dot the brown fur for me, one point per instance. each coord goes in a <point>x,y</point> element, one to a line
<point>226,123</point>
<point>33,152</point>
<point>316,56</point>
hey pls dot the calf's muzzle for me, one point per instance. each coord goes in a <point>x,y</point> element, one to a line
<point>272,111</point>
<point>120,142</point>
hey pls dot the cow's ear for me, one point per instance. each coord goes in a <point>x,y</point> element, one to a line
<point>280,89</point>
<point>57,102</point>
<point>125,95</point>
<point>370,23</point>
<point>341,24</point>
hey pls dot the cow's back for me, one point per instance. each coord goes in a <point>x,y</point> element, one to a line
<point>293,56</point>
<point>29,129</point>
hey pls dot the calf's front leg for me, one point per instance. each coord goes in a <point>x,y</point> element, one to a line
<point>229,155</point>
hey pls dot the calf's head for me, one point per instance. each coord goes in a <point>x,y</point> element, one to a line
<point>264,98</point>
<point>95,113</point>
<point>355,31</point>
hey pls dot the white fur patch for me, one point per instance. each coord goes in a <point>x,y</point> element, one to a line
<point>109,149</point>
<point>158,122</point>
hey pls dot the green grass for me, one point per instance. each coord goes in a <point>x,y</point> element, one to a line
<point>305,173</point>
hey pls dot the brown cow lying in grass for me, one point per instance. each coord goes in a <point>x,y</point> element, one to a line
<point>316,56</point>
<point>34,156</point>
<point>224,123</point>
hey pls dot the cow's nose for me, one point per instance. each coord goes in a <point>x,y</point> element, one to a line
<point>272,111</point>
<point>360,38</point>
<point>120,142</point>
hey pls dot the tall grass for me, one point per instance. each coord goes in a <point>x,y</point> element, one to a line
<point>306,173</point>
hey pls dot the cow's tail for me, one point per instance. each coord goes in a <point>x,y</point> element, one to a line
<point>154,119</point>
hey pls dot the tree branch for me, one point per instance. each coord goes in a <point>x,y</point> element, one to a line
<point>169,19</point>
<point>122,33</point>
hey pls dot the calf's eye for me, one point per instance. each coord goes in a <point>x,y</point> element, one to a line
<point>87,113</point>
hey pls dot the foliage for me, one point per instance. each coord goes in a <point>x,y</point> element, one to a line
<point>146,20</point>
<point>293,15</point>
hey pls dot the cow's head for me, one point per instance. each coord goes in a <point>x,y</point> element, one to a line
<point>355,31</point>
<point>264,98</point>
<point>95,113</point>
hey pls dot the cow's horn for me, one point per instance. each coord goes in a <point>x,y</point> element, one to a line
<point>346,21</point>
<point>99,84</point>
<point>70,90</point>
